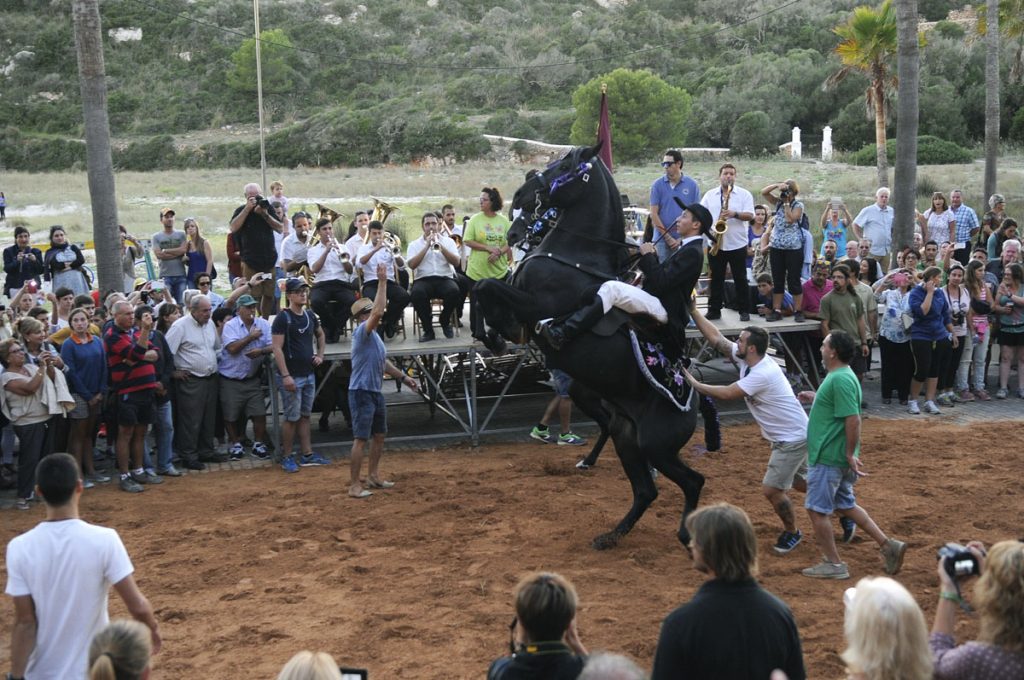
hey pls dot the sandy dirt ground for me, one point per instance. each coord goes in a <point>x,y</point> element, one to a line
<point>246,568</point>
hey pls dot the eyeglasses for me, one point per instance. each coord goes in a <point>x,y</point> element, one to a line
<point>202,283</point>
<point>668,164</point>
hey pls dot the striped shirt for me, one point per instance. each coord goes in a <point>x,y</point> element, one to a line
<point>129,371</point>
<point>966,222</point>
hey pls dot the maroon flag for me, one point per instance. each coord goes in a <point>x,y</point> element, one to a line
<point>604,130</point>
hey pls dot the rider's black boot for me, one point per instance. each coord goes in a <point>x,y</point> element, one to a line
<point>557,334</point>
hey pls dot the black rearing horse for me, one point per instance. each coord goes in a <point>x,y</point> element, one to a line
<point>585,247</point>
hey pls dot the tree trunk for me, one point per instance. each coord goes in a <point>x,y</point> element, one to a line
<point>991,95</point>
<point>907,68</point>
<point>881,154</point>
<point>100,167</point>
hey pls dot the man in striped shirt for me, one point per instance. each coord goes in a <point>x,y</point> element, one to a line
<point>967,226</point>
<point>131,359</point>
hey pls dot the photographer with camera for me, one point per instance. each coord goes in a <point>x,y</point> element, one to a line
<point>787,246</point>
<point>545,643</point>
<point>959,300</point>
<point>253,225</point>
<point>999,599</point>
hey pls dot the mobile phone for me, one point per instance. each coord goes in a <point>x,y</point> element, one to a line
<point>354,673</point>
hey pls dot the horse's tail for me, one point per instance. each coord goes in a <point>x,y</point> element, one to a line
<point>712,427</point>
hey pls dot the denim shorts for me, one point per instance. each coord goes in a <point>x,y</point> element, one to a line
<point>829,489</point>
<point>562,381</point>
<point>298,404</point>
<point>369,415</point>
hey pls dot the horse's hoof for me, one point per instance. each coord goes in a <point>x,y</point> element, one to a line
<point>606,541</point>
<point>583,465</point>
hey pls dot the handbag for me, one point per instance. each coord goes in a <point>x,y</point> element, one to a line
<point>907,319</point>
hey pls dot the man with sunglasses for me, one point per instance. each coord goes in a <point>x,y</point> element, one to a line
<point>667,194</point>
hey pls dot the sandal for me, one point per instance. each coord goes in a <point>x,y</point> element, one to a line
<point>362,494</point>
<point>379,484</point>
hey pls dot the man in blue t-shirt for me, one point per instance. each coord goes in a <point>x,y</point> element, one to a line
<point>668,193</point>
<point>369,414</point>
<point>292,334</point>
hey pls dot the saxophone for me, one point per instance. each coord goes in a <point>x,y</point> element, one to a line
<point>720,227</point>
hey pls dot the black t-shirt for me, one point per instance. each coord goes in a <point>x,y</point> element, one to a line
<point>729,631</point>
<point>299,333</point>
<point>554,662</point>
<point>255,241</point>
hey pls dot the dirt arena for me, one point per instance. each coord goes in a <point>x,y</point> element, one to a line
<point>246,568</point>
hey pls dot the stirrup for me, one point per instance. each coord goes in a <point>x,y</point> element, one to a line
<point>540,324</point>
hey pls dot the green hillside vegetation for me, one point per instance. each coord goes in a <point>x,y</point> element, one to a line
<point>350,83</point>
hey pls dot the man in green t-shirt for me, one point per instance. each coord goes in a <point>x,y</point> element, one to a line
<point>833,456</point>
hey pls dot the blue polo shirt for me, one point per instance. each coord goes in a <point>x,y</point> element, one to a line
<point>669,211</point>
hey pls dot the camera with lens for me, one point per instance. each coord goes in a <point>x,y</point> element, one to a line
<point>958,318</point>
<point>960,562</point>
<point>262,202</point>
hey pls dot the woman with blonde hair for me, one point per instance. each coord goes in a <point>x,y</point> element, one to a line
<point>998,652</point>
<point>121,651</point>
<point>199,253</point>
<point>308,665</point>
<point>886,634</point>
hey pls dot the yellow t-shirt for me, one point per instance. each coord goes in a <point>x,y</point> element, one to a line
<point>490,231</point>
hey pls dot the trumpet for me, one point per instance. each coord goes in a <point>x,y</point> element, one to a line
<point>393,243</point>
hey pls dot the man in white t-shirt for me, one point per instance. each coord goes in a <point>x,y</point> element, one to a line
<point>775,408</point>
<point>59,575</point>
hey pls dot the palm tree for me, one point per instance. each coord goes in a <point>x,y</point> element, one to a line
<point>907,68</point>
<point>992,21</point>
<point>99,166</point>
<point>867,45</point>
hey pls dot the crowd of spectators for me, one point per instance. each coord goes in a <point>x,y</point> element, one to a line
<point>142,365</point>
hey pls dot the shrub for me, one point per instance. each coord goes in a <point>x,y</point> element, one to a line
<point>752,134</point>
<point>930,151</point>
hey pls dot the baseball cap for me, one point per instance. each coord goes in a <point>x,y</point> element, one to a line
<point>361,305</point>
<point>295,284</point>
<point>246,301</point>
<point>166,211</point>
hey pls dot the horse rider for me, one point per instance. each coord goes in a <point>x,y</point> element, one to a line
<point>667,287</point>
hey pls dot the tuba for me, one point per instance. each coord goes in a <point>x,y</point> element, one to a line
<point>720,227</point>
<point>381,210</point>
<point>328,214</point>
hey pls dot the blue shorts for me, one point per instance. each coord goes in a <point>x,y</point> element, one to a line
<point>562,381</point>
<point>298,404</point>
<point>829,489</point>
<point>369,414</point>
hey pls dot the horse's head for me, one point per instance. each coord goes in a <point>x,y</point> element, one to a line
<point>563,183</point>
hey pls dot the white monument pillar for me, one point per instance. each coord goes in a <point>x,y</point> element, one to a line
<point>826,144</point>
<point>797,148</point>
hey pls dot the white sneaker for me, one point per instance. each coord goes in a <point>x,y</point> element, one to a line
<point>930,407</point>
<point>913,408</point>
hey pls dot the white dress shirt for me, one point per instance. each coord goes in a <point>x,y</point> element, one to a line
<point>434,262</point>
<point>333,269</point>
<point>194,347</point>
<point>293,249</point>
<point>741,201</point>
<point>384,255</point>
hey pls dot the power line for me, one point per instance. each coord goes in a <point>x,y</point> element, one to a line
<point>415,65</point>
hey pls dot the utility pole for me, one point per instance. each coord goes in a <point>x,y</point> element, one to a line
<point>100,166</point>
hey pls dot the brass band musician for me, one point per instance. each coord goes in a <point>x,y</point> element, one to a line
<point>735,205</point>
<point>381,250</point>
<point>335,281</point>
